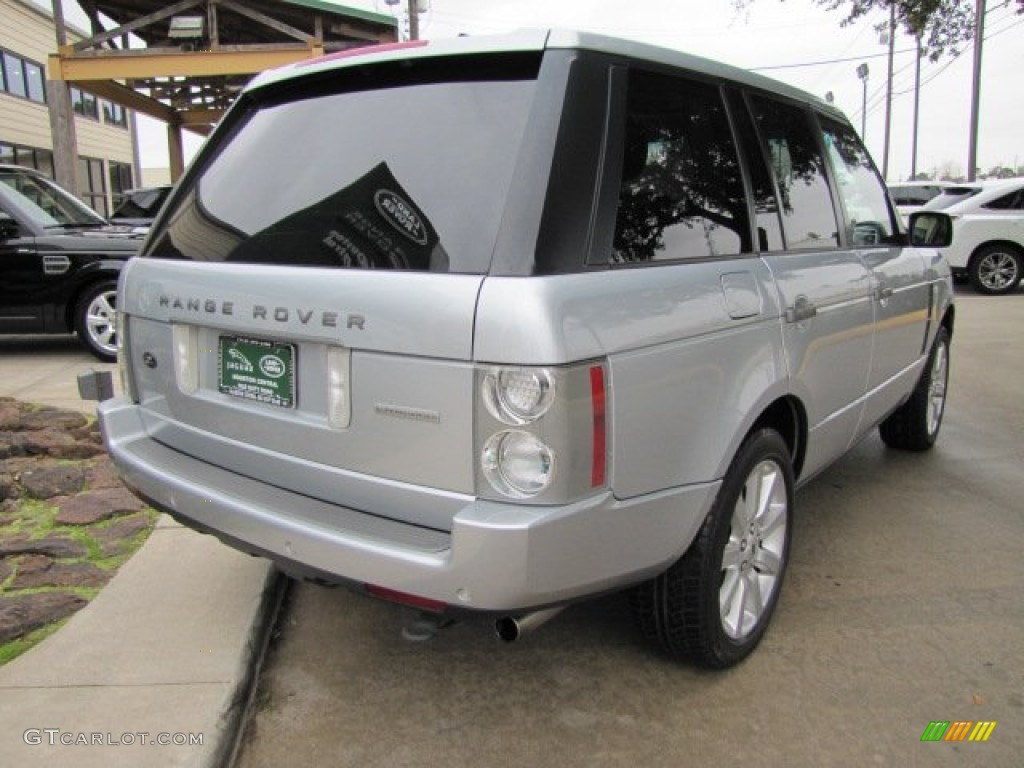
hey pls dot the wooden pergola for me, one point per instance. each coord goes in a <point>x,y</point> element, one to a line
<point>200,53</point>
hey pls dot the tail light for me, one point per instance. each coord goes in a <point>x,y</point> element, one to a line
<point>186,357</point>
<point>541,432</point>
<point>123,369</point>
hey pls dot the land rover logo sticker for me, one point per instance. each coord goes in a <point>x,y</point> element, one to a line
<point>400,215</point>
<point>272,366</point>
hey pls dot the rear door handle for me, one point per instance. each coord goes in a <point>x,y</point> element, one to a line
<point>802,309</point>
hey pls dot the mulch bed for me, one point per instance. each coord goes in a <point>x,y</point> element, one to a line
<point>66,520</point>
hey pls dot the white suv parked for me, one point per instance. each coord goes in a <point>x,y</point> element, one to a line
<point>988,234</point>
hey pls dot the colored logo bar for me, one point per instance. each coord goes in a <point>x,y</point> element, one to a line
<point>958,730</point>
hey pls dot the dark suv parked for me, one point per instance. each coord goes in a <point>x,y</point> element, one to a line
<point>59,262</point>
<point>140,206</point>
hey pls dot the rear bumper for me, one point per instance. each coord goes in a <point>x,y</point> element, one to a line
<point>497,557</point>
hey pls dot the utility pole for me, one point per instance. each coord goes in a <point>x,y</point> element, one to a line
<point>917,105</point>
<point>414,20</point>
<point>979,38</point>
<point>888,91</point>
<point>62,118</point>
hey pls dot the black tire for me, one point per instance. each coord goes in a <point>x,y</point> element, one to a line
<point>96,320</point>
<point>687,609</point>
<point>995,269</point>
<point>915,425</point>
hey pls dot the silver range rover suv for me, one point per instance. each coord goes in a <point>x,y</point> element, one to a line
<point>494,325</point>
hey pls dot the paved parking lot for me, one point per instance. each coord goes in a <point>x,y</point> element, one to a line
<point>904,604</point>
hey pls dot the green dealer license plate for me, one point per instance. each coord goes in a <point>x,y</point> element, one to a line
<point>254,369</point>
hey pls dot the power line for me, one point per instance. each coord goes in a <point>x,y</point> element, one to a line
<point>831,61</point>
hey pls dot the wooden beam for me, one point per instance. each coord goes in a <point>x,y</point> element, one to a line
<point>262,18</point>
<point>139,23</point>
<point>169,62</point>
<point>361,33</point>
<point>195,117</point>
<point>126,97</point>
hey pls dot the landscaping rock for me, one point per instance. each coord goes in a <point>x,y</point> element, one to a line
<point>11,444</point>
<point>88,434</point>
<point>102,474</point>
<point>21,614</point>
<point>45,442</point>
<point>52,419</point>
<point>49,480</point>
<point>53,546</point>
<point>15,466</point>
<point>76,450</point>
<point>10,415</point>
<point>93,506</point>
<point>116,538</point>
<point>61,575</point>
<point>32,563</point>
<point>57,456</point>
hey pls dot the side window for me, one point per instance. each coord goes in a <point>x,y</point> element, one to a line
<point>681,195</point>
<point>766,205</point>
<point>868,217</point>
<point>808,219</point>
<point>1011,202</point>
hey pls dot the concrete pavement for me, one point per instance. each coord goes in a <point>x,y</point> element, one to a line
<point>155,669</point>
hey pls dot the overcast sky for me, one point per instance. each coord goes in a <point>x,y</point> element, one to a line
<point>776,37</point>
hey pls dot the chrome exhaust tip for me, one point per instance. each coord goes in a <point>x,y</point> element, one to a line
<point>512,628</point>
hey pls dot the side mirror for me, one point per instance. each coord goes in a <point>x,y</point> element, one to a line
<point>8,227</point>
<point>931,228</point>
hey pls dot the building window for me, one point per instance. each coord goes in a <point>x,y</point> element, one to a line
<point>93,184</point>
<point>35,82</point>
<point>20,77</point>
<point>30,157</point>
<point>14,75</point>
<point>120,181</point>
<point>84,104</point>
<point>114,114</point>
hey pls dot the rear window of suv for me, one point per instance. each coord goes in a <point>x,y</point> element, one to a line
<point>347,174</point>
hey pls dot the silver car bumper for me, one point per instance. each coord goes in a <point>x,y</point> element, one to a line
<point>497,557</point>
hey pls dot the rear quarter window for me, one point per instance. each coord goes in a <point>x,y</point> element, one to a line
<point>682,194</point>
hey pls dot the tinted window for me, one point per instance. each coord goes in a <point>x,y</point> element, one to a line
<point>406,177</point>
<point>951,196</point>
<point>808,220</point>
<point>868,218</point>
<point>682,191</point>
<point>1011,202</point>
<point>45,203</point>
<point>913,195</point>
<point>766,205</point>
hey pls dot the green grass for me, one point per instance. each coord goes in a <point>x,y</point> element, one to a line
<point>36,519</point>
<point>13,649</point>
